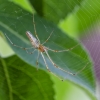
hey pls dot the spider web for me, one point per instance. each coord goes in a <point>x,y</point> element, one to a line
<point>90,36</point>
<point>88,19</point>
<point>90,40</point>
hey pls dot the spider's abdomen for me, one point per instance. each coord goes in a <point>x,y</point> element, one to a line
<point>41,48</point>
<point>35,43</point>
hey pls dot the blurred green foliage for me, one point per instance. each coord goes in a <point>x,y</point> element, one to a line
<point>22,82</point>
<point>82,18</point>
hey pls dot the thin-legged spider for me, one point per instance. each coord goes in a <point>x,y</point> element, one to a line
<point>41,48</point>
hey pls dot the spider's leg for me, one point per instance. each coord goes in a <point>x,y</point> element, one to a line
<point>17,45</point>
<point>63,69</point>
<point>47,38</point>
<point>37,62</point>
<point>78,72</point>
<point>48,68</point>
<point>56,65</point>
<point>45,61</point>
<point>35,29</point>
<point>62,50</point>
<point>30,52</point>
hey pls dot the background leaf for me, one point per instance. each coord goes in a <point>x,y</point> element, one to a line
<point>20,81</point>
<point>82,19</point>
<point>14,21</point>
<point>54,10</point>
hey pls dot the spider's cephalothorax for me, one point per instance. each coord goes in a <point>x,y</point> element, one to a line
<point>41,48</point>
<point>36,44</point>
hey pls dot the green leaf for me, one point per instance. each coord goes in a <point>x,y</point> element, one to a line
<point>14,21</point>
<point>20,81</point>
<point>69,91</point>
<point>78,22</point>
<point>54,10</point>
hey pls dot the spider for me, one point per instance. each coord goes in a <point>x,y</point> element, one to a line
<point>35,41</point>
